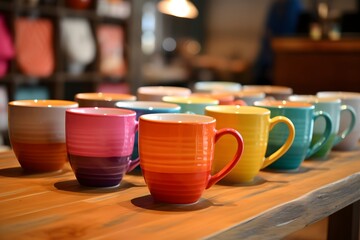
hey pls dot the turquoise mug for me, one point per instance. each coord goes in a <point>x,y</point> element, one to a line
<point>335,109</point>
<point>303,116</point>
<point>146,107</point>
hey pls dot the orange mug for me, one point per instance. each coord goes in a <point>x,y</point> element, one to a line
<point>177,152</point>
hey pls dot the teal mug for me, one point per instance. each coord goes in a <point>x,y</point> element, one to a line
<point>303,116</point>
<point>335,109</point>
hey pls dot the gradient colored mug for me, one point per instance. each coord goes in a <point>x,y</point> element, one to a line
<point>176,155</point>
<point>147,107</point>
<point>191,104</point>
<point>37,133</point>
<point>254,124</point>
<point>335,109</point>
<point>100,142</point>
<point>302,116</point>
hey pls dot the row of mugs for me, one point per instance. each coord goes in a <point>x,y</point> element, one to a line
<point>224,92</point>
<point>177,150</point>
<point>196,103</point>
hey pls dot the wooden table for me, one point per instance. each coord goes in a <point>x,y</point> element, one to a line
<point>55,206</point>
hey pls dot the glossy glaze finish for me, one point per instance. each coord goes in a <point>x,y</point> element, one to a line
<point>37,133</point>
<point>99,142</point>
<point>302,116</point>
<point>254,124</point>
<point>176,152</point>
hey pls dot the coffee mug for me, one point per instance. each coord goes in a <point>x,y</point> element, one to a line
<point>254,124</point>
<point>333,107</point>
<point>191,104</point>
<point>249,97</point>
<point>176,155</point>
<point>147,107</point>
<point>352,99</point>
<point>302,115</point>
<point>156,93</point>
<point>99,143</point>
<point>37,133</point>
<point>216,86</point>
<point>225,98</point>
<point>99,99</point>
<point>271,91</point>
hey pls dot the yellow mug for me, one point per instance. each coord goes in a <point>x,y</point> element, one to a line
<point>254,124</point>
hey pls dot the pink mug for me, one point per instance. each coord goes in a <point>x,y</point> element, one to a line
<point>99,143</point>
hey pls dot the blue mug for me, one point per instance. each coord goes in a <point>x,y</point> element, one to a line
<point>146,107</point>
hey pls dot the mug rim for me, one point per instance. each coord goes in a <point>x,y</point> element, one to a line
<point>190,100</point>
<point>100,96</point>
<point>284,104</point>
<point>339,94</point>
<point>101,112</point>
<point>161,90</point>
<point>237,109</point>
<point>313,99</point>
<point>217,85</point>
<point>269,89</point>
<point>148,105</point>
<point>43,103</point>
<point>178,118</point>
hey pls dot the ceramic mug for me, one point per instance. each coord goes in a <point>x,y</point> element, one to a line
<point>254,124</point>
<point>249,97</point>
<point>335,109</point>
<point>224,98</point>
<point>156,93</point>
<point>191,104</point>
<point>271,91</point>
<point>352,99</point>
<point>303,116</point>
<point>147,107</point>
<point>216,86</point>
<point>100,142</point>
<point>37,133</point>
<point>99,99</point>
<point>176,155</point>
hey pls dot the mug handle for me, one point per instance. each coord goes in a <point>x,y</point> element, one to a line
<point>328,127</point>
<point>343,134</point>
<point>134,163</point>
<point>223,172</point>
<point>283,149</point>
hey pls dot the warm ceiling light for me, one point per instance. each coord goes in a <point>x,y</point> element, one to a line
<point>178,8</point>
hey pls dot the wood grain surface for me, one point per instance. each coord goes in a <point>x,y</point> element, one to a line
<point>55,206</point>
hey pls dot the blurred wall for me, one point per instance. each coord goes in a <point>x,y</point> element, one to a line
<point>234,27</point>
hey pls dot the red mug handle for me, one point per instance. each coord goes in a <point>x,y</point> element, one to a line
<point>223,172</point>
